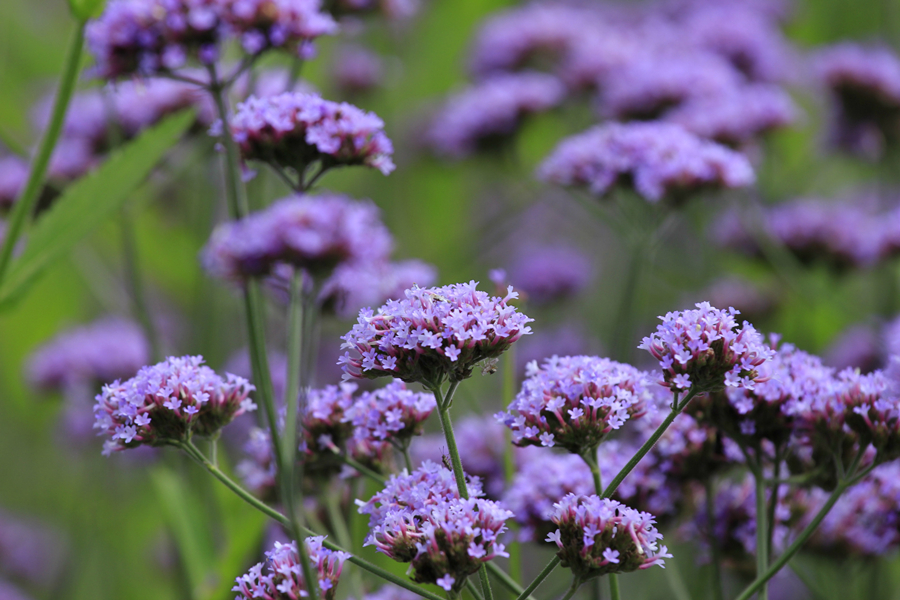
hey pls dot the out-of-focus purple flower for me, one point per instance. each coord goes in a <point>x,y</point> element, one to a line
<point>481,445</point>
<point>9,592</point>
<point>489,113</point>
<point>326,427</point>
<point>656,159</point>
<point>705,349</point>
<point>392,413</point>
<point>390,9</point>
<point>30,551</point>
<point>355,286</point>
<point>565,340</point>
<point>601,536</point>
<point>544,479</point>
<point>357,70</point>
<point>433,334</point>
<point>167,402</point>
<point>280,576</point>
<point>315,233</point>
<point>293,130</point>
<point>737,116</point>
<point>420,518</point>
<point>751,300</point>
<point>857,347</point>
<point>548,273</point>
<point>575,402</point>
<point>873,410</point>
<point>258,470</point>
<point>865,84</point>
<point>287,24</point>
<point>891,336</point>
<point>13,175</point>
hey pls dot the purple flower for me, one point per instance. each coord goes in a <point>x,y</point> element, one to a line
<point>873,410</point>
<point>391,592</point>
<point>13,175</point>
<point>392,413</point>
<point>751,299</point>
<point>419,518</point>
<point>859,347</point>
<point>865,85</point>
<point>30,551</point>
<point>123,408</point>
<point>293,130</point>
<point>280,576</point>
<point>9,592</point>
<point>709,346</point>
<point>575,402</point>
<point>490,112</point>
<point>326,427</point>
<point>258,470</point>
<point>589,527</point>
<point>357,70</point>
<point>390,9</point>
<point>657,159</point>
<point>315,233</point>
<point>287,24</point>
<point>355,286</point>
<point>548,273</point>
<point>409,339</point>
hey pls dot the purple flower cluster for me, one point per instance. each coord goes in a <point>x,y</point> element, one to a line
<point>146,37</point>
<point>392,413</point>
<point>872,410</point>
<point>601,536</point>
<point>433,334</point>
<point>13,176</point>
<point>280,577</point>
<point>705,349</point>
<point>865,84</point>
<point>258,470</point>
<point>354,286</point>
<point>548,273</point>
<point>420,518</point>
<point>293,130</point>
<point>30,551</point>
<point>575,402</point>
<point>657,159</point>
<point>489,113</point>
<point>315,233</point>
<point>750,298</point>
<point>167,403</point>
<point>326,427</point>
<point>357,70</point>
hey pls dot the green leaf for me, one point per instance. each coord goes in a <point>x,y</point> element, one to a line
<point>87,9</point>
<point>90,200</point>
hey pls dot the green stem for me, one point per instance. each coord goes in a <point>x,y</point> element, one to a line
<point>504,578</point>
<point>24,207</point>
<point>632,463</point>
<point>614,586</point>
<point>773,499</point>
<point>576,583</point>
<point>509,462</point>
<point>590,458</point>
<point>622,348</point>
<point>363,469</point>
<point>711,540</point>
<point>292,386</point>
<point>407,461</point>
<point>762,529</point>
<point>136,284</point>
<point>473,589</point>
<point>341,532</point>
<point>234,187</point>
<point>676,582</point>
<point>526,593</point>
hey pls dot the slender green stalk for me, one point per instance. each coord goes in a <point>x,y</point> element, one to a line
<point>234,187</point>
<point>24,207</point>
<point>762,530</point>
<point>407,461</point>
<point>292,387</point>
<point>509,463</point>
<point>614,586</point>
<point>711,540</point>
<point>545,572</point>
<point>363,469</point>
<point>773,498</point>
<point>136,284</point>
<point>576,583</point>
<point>677,407</point>
<point>342,533</point>
<point>676,582</point>
<point>470,586</point>
<point>622,346</point>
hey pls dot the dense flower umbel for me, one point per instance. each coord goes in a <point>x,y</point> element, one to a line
<point>706,349</point>
<point>295,129</point>
<point>600,536</point>
<point>419,518</point>
<point>315,233</point>
<point>288,24</point>
<point>873,410</point>
<point>548,273</point>
<point>168,402</point>
<point>656,159</point>
<point>258,471</point>
<point>433,334</point>
<point>326,427</point>
<point>354,286</point>
<point>280,577</point>
<point>392,413</point>
<point>575,401</point>
<point>490,113</point>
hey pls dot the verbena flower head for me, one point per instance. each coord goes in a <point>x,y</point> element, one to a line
<point>419,518</point>
<point>315,233</point>
<point>873,410</point>
<point>167,403</point>
<point>258,470</point>
<point>354,286</point>
<point>859,347</point>
<point>489,113</point>
<point>326,427</point>
<point>548,273</point>
<point>357,70</point>
<point>706,349</point>
<point>30,551</point>
<point>601,536</point>
<point>433,334</point>
<point>286,24</point>
<point>656,159</point>
<point>392,413</point>
<point>575,402</point>
<point>280,577</point>
<point>294,129</point>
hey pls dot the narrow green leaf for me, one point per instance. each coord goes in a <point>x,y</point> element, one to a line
<point>90,200</point>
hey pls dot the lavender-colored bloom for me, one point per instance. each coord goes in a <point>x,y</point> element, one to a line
<point>751,300</point>
<point>420,518</point>
<point>315,233</point>
<point>13,175</point>
<point>489,113</point>
<point>565,340</point>
<point>167,402</point>
<point>601,536</point>
<point>30,551</point>
<point>326,427</point>
<point>873,410</point>
<point>737,116</point>
<point>548,273</point>
<point>433,334</point>
<point>575,402</point>
<point>865,84</point>
<point>657,159</point>
<point>357,70</point>
<point>287,24</point>
<point>391,592</point>
<point>294,129</point>
<point>390,9</point>
<point>9,592</point>
<point>280,576</point>
<point>857,347</point>
<point>891,336</point>
<point>392,413</point>
<point>482,447</point>
<point>354,286</point>
<point>258,470</point>
<point>705,349</point>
